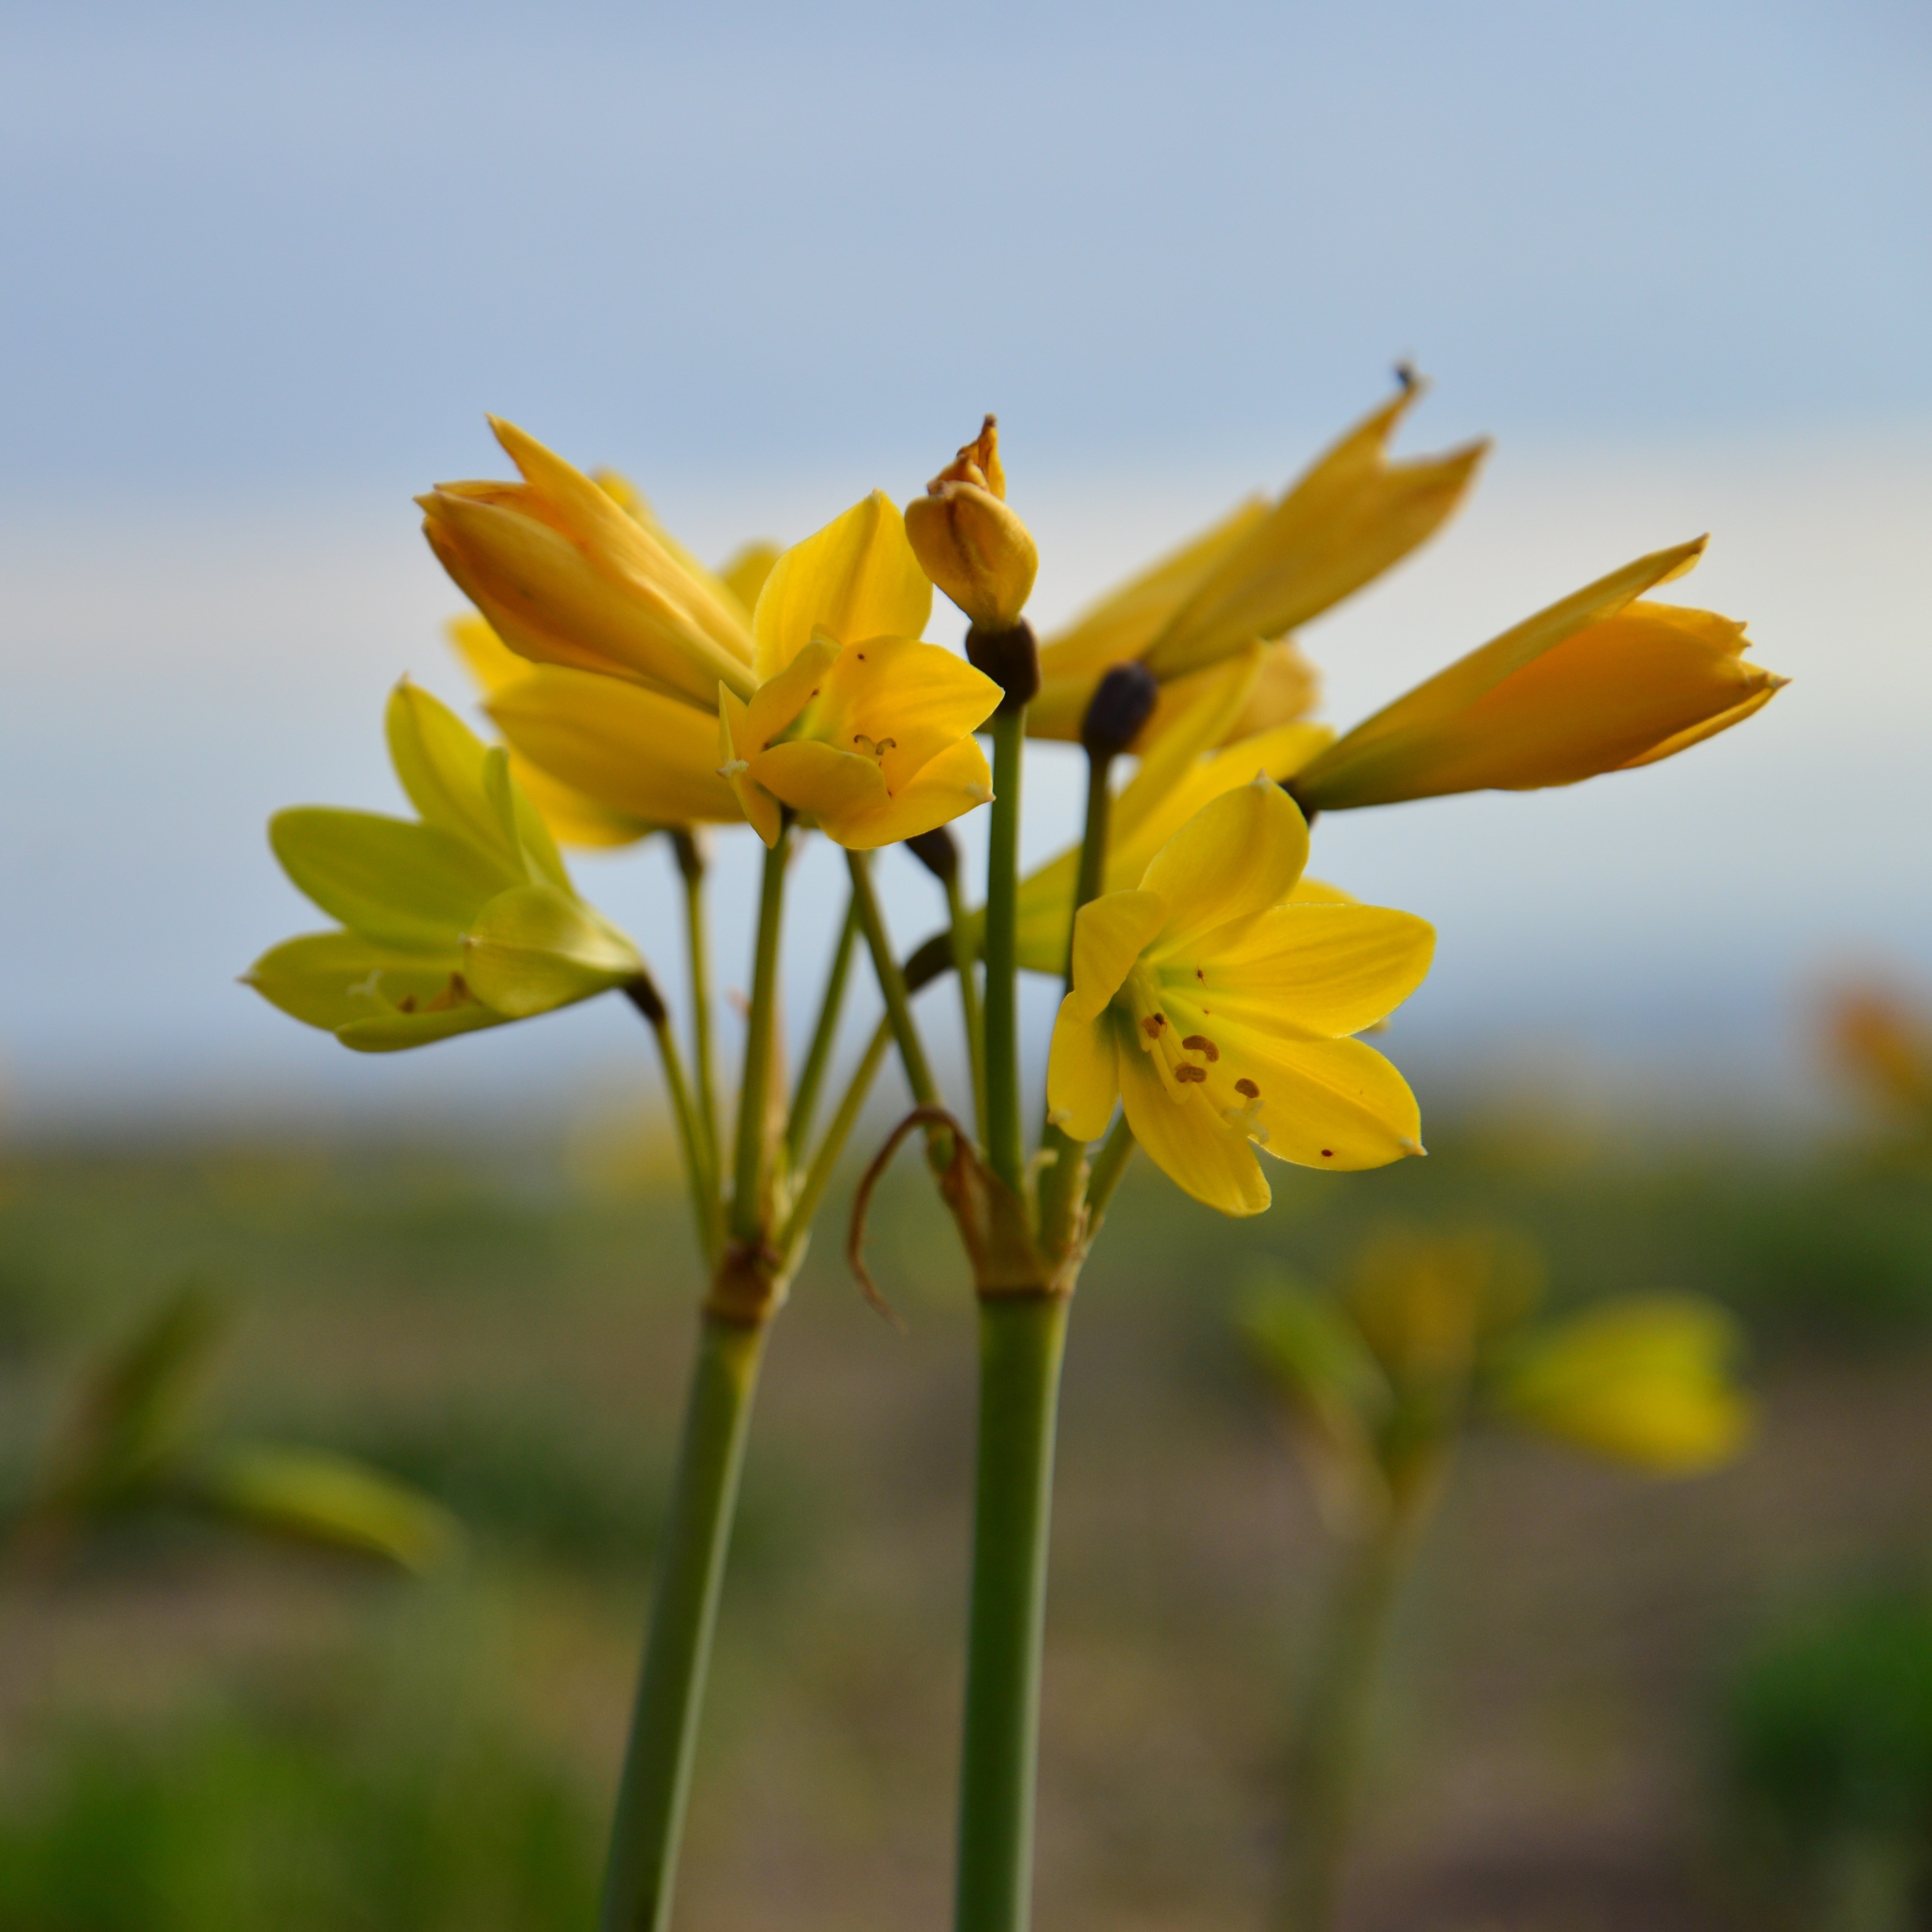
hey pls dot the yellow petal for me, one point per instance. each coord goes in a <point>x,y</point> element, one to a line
<point>947,788</point>
<point>631,752</point>
<point>1083,1080</point>
<point>820,781</point>
<point>976,549</point>
<point>1333,1104</point>
<point>1189,1141</point>
<point>912,698</point>
<point>1124,623</point>
<point>1240,854</point>
<point>1109,934</point>
<point>855,578</point>
<point>1308,971</point>
<point>485,656</point>
<point>1346,521</point>
<point>744,573</point>
<point>761,809</point>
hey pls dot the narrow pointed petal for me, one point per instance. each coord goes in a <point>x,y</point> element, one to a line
<point>1109,935</point>
<point>822,783</point>
<point>914,698</point>
<point>534,949</point>
<point>409,886</point>
<point>1333,1104</point>
<point>630,752</point>
<point>1083,1080</point>
<point>1309,971</point>
<point>331,980</point>
<point>761,809</point>
<point>1188,1141</point>
<point>857,577</point>
<point>1240,854</point>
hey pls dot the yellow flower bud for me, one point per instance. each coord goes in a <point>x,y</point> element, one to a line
<point>1600,682</point>
<point>969,542</point>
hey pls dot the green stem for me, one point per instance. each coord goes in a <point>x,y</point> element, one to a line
<point>754,1095</point>
<point>1109,1164</point>
<point>1326,1759</point>
<point>891,982</point>
<point>690,1570</point>
<point>699,1175</point>
<point>1006,1148</point>
<point>691,865</point>
<point>1022,1338</point>
<point>1063,1178</point>
<point>824,1162</point>
<point>825,1035</point>
<point>967,966</point>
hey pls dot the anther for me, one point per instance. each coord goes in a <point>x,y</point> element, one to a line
<point>1248,1088</point>
<point>1154,1025</point>
<point>1197,1043</point>
<point>1186,1071</point>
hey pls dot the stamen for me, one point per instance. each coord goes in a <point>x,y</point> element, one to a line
<point>1154,1025</point>
<point>1200,1043</point>
<point>1248,1088</point>
<point>406,1004</point>
<point>1185,1073</point>
<point>733,769</point>
<point>1248,1119</point>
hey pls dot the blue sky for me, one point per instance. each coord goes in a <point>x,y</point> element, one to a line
<point>269,267</point>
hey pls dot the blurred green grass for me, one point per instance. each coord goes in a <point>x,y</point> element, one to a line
<point>512,1334</point>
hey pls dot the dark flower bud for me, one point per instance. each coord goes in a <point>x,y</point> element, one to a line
<point>936,851</point>
<point>1011,658</point>
<point>1121,704</point>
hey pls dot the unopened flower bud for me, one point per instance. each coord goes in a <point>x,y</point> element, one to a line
<point>1121,703</point>
<point>969,542</point>
<point>937,852</point>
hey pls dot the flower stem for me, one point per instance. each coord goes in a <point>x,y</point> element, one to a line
<point>891,982</point>
<point>1109,1164</point>
<point>656,1781</point>
<point>967,965</point>
<point>1006,1148</point>
<point>1022,1338</point>
<point>1325,1761</point>
<point>691,865</point>
<point>818,1176</point>
<point>700,1174</point>
<point>824,1036</point>
<point>747,1202</point>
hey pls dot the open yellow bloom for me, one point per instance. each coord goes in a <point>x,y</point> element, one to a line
<point>461,919</point>
<point>1599,682</point>
<point>1195,759</point>
<point>1217,1011</point>
<point>854,723</point>
<point>1260,572</point>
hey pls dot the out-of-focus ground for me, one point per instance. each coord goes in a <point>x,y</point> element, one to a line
<point>197,1731</point>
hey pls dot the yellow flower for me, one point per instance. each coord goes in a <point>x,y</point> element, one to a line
<point>1643,1379</point>
<point>567,575</point>
<point>1260,572</point>
<point>1599,682</point>
<point>1182,771</point>
<point>1885,1045</point>
<point>969,542</point>
<point>461,919</point>
<point>1217,1011</point>
<point>854,723</point>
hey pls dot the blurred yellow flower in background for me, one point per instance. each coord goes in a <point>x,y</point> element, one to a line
<point>1217,1012</point>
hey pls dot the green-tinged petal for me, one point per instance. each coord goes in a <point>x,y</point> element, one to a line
<point>629,751</point>
<point>331,980</point>
<point>534,949</point>
<point>857,577</point>
<point>438,763</point>
<point>761,809</point>
<point>1083,1078</point>
<point>1307,971</point>
<point>1643,1379</point>
<point>1240,854</point>
<point>1109,934</point>
<point>1316,1356</point>
<point>414,887</point>
<point>397,1033</point>
<point>951,785</point>
<point>1189,1141</point>
<point>1345,522</point>
<point>313,1496</point>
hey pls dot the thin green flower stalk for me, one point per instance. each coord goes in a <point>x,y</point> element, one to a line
<point>1431,1333</point>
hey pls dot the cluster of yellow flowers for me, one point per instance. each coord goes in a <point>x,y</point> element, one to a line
<point>1213,995</point>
